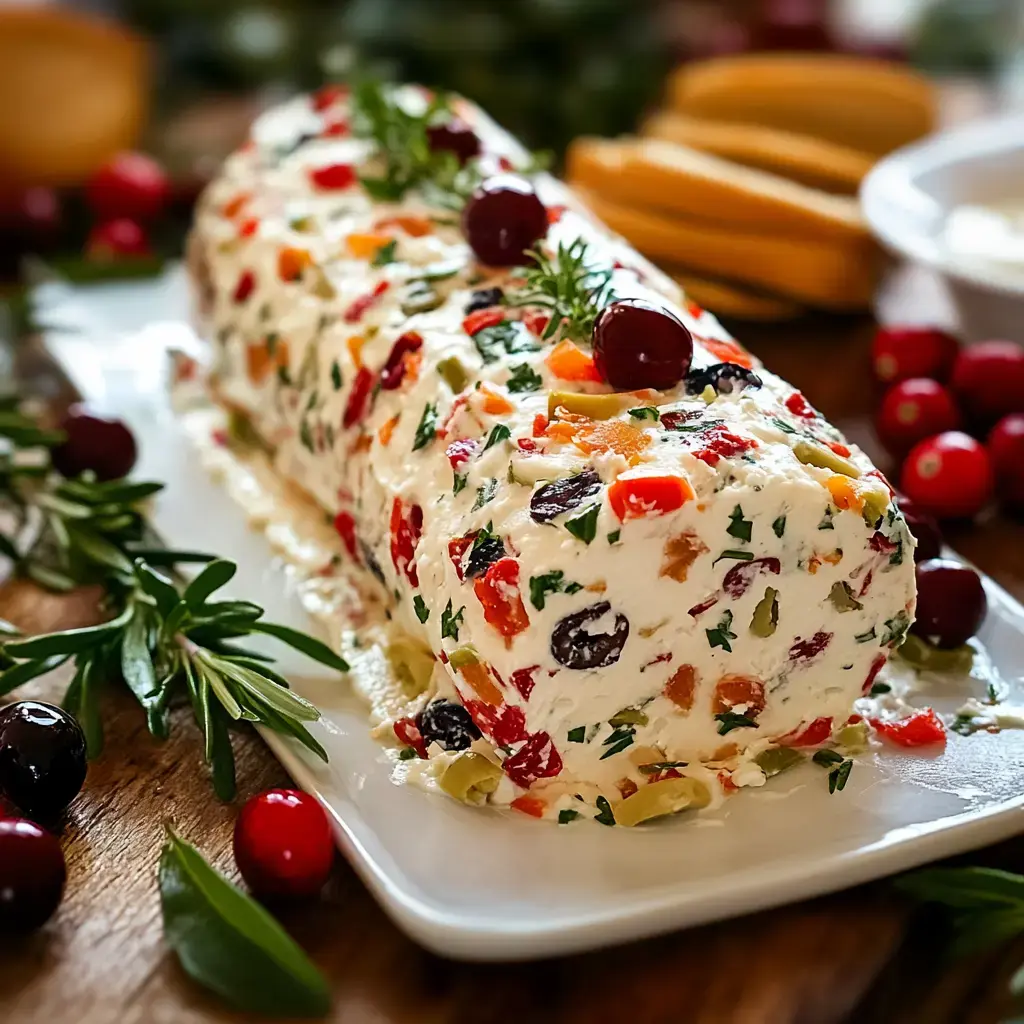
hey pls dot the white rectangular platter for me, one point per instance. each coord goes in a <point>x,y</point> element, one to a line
<point>487,884</point>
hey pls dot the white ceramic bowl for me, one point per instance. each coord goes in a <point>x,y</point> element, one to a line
<point>908,196</point>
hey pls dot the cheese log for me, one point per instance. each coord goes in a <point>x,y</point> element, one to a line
<point>606,581</point>
<point>802,158</point>
<point>663,175</point>
<point>871,105</point>
<point>832,275</point>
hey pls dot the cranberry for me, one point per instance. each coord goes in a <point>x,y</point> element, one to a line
<point>988,378</point>
<point>640,345</point>
<point>898,353</point>
<point>1006,448</point>
<point>94,443</point>
<point>42,757</point>
<point>129,185</point>
<point>924,529</point>
<point>117,238</point>
<point>913,410</point>
<point>32,874</point>
<point>454,137</point>
<point>948,475</point>
<point>34,219</point>
<point>951,602</point>
<point>283,844</point>
<point>503,219</point>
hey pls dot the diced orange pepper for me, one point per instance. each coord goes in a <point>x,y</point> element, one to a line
<point>365,245</point>
<point>568,361</point>
<point>259,361</point>
<point>387,429</point>
<point>531,805</point>
<point>233,207</point>
<point>612,436</point>
<point>636,497</point>
<point>727,351</point>
<point>355,348</point>
<point>844,494</point>
<point>479,680</point>
<point>737,690</point>
<point>291,263</point>
<point>498,593</point>
<point>494,403</point>
<point>815,561</point>
<point>416,227</point>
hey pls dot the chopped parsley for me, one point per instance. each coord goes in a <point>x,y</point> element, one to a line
<point>645,412</point>
<point>783,425</point>
<point>485,494</point>
<point>523,378</point>
<point>839,768</point>
<point>729,720</point>
<point>613,537</point>
<point>738,526</point>
<point>427,429</point>
<point>385,254</point>
<point>895,630</point>
<point>306,436</point>
<point>896,558</point>
<point>607,815</point>
<point>450,623</point>
<point>740,556</point>
<point>550,583</point>
<point>577,735</point>
<point>584,527</point>
<point>336,378</point>
<point>779,526</point>
<point>508,337</point>
<point>722,633</point>
<point>863,638</point>
<point>656,767</point>
<point>618,741</point>
<point>567,815</point>
<point>460,482</point>
<point>498,433</point>
<point>421,609</point>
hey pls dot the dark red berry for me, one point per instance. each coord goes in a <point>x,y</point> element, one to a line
<point>949,475</point>
<point>988,378</point>
<point>33,219</point>
<point>454,137</point>
<point>641,345</point>
<point>42,757</point>
<point>283,844</point>
<point>924,528</point>
<point>899,353</point>
<point>117,239</point>
<point>32,874</point>
<point>130,185</point>
<point>913,410</point>
<point>94,443</point>
<point>951,602</point>
<point>503,219</point>
<point>1006,448</point>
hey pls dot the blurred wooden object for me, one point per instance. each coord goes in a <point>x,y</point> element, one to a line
<point>73,91</point>
<point>735,301</point>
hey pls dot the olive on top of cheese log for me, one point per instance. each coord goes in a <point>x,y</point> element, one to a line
<point>625,558</point>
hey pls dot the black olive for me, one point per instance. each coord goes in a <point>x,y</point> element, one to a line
<point>483,554</point>
<point>573,647</point>
<point>725,378</point>
<point>447,724</point>
<point>563,495</point>
<point>371,563</point>
<point>483,298</point>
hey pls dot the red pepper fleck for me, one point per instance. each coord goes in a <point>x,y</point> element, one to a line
<point>867,583</point>
<point>724,444</point>
<point>694,310</point>
<point>481,318</point>
<point>505,724</point>
<point>812,735</point>
<point>799,406</point>
<point>333,177</point>
<point>363,303</point>
<point>880,543</point>
<point>506,164</point>
<point>531,805</point>
<point>336,130</point>
<point>840,449</point>
<point>461,451</point>
<point>245,287</point>
<point>356,405</point>
<point>522,679</point>
<point>457,548</point>
<point>248,227</point>
<point>739,691</point>
<point>922,729</point>
<point>536,759</point>
<point>540,424</point>
<point>536,322</point>
<point>876,666</point>
<point>345,525</point>
<point>738,579</point>
<point>498,593</point>
<point>408,732</point>
<point>700,609</point>
<point>725,779</point>
<point>555,213</point>
<point>805,650</point>
<point>327,95</point>
<point>526,444</point>
<point>394,369</point>
<point>405,535</point>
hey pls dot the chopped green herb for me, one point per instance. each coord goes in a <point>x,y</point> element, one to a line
<point>567,815</point>
<point>827,758</point>
<point>722,633</point>
<point>863,638</point>
<point>336,378</point>
<point>842,599</point>
<point>485,494</point>
<point>508,337</point>
<point>645,412</point>
<point>738,526</point>
<point>895,630</point>
<point>306,436</point>
<point>779,526</point>
<point>783,425</point>
<point>523,379</point>
<point>499,433</point>
<point>660,766</point>
<point>613,537</point>
<point>584,527</point>
<point>740,556</point>
<point>618,741</point>
<point>406,754</point>
<point>450,623</point>
<point>427,429</point>
<point>692,428</point>
<point>577,735</point>
<point>877,689</point>
<point>607,815</point>
<point>385,254</point>
<point>896,558</point>
<point>460,482</point>
<point>729,720</point>
<point>421,609</point>
<point>826,520</point>
<point>550,583</point>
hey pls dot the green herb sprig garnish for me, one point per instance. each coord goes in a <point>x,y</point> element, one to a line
<point>568,287</point>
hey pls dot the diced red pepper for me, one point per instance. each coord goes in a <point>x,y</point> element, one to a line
<point>526,444</point>
<point>555,213</point>
<point>245,287</point>
<point>522,679</point>
<point>333,177</point>
<point>805,650</point>
<point>700,609</point>
<point>506,164</point>
<point>681,687</point>
<point>639,496</point>
<point>922,729</point>
<point>498,593</point>
<point>728,351</point>
<point>356,405</point>
<point>739,691</point>
<point>457,548</point>
<point>345,525</point>
<point>694,310</point>
<point>248,227</point>
<point>336,130</point>
<point>394,369</point>
<point>724,444</point>
<point>738,579</point>
<point>799,406</point>
<point>408,732</point>
<point>405,535</point>
<point>505,724</point>
<point>812,735</point>
<point>880,543</point>
<point>355,312</point>
<point>876,666</point>
<point>536,759</point>
<point>327,95</point>
<point>461,451</point>
<point>536,322</point>
<point>481,318</point>
<point>840,449</point>
<point>531,805</point>
<point>540,424</point>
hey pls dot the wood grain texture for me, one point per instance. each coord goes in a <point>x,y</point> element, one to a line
<point>853,956</point>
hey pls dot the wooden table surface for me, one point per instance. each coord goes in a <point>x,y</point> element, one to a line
<point>853,956</point>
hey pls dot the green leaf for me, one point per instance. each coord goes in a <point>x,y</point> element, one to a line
<point>426,430</point>
<point>485,494</point>
<point>645,412</point>
<point>289,727</point>
<point>158,586</point>
<point>136,663</point>
<point>740,556</point>
<point>89,716</point>
<point>498,433</point>
<point>51,579</point>
<point>523,379</point>
<point>584,527</point>
<point>421,609</point>
<point>98,549</point>
<point>212,578</point>
<point>550,583</point>
<point>779,526</point>
<point>729,720</point>
<point>168,557</point>
<point>738,526</point>
<point>219,754</point>
<point>450,622</point>
<point>228,943</point>
<point>284,701</point>
<point>973,888</point>
<point>304,643</point>
<point>70,641</point>
<point>385,254</point>
<point>18,675</point>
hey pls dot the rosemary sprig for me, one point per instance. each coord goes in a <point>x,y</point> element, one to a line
<point>568,286</point>
<point>164,638</point>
